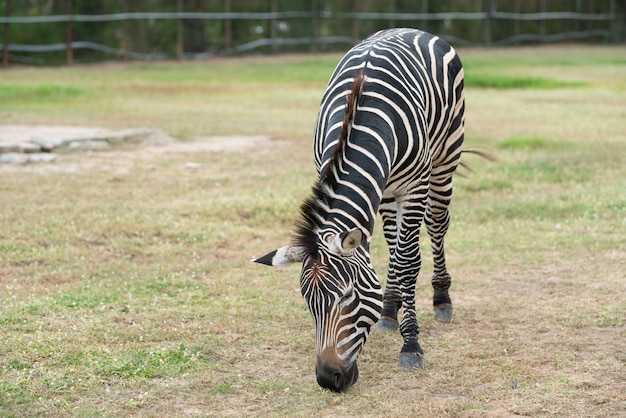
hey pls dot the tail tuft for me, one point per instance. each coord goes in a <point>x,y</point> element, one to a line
<point>483,153</point>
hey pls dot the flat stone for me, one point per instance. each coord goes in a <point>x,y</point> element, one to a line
<point>48,144</point>
<point>23,158</point>
<point>13,158</point>
<point>122,135</point>
<point>95,140</point>
<point>9,147</point>
<point>89,145</point>
<point>42,157</point>
<point>29,147</point>
<point>24,133</point>
<point>193,165</point>
<point>158,137</point>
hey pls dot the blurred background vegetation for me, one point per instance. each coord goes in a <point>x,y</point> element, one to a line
<point>58,31</point>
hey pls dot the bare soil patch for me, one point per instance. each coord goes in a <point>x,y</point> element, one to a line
<point>119,159</point>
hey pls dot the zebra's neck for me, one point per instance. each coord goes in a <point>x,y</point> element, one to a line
<point>349,193</point>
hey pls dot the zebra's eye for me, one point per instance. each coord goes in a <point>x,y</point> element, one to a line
<point>349,298</point>
<point>348,292</point>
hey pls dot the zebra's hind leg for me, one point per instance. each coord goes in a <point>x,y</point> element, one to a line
<point>392,299</point>
<point>437,220</point>
<point>441,299</point>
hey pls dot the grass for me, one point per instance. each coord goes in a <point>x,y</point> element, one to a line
<point>43,91</point>
<point>125,285</point>
<point>496,81</point>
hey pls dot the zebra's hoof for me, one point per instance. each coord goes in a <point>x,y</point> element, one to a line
<point>411,361</point>
<point>387,325</point>
<point>443,312</point>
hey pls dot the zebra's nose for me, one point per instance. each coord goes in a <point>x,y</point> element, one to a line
<point>335,378</point>
<point>332,378</point>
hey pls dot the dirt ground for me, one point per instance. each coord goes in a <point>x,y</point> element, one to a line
<point>119,159</point>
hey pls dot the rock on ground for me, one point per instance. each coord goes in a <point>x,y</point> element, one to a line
<point>41,142</point>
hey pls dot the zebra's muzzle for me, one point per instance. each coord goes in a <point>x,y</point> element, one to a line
<point>335,378</point>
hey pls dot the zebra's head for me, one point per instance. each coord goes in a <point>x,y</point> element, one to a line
<point>340,287</point>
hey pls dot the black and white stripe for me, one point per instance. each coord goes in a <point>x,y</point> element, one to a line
<point>388,139</point>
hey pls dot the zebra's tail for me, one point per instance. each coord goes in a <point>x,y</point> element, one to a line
<point>481,152</point>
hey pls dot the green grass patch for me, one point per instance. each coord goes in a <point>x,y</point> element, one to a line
<point>231,71</point>
<point>618,206</point>
<point>530,143</point>
<point>221,389</point>
<point>39,92</point>
<point>159,362</point>
<point>539,210</point>
<point>512,58</point>
<point>487,184</point>
<point>85,299</point>
<point>498,81</point>
<point>11,249</point>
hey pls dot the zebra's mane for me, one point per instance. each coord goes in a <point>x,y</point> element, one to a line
<point>314,209</point>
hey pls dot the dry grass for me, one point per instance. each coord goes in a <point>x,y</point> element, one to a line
<point>125,282</point>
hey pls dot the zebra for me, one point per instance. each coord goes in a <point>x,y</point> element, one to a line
<point>387,140</point>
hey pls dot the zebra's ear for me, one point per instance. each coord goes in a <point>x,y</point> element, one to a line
<point>281,256</point>
<point>347,241</point>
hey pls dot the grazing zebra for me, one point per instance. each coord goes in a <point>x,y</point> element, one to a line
<point>388,139</point>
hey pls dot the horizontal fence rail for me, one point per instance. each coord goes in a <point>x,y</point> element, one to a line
<point>308,15</point>
<point>248,46</point>
<point>614,23</point>
<point>156,16</point>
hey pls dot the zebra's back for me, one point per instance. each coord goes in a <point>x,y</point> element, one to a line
<point>411,102</point>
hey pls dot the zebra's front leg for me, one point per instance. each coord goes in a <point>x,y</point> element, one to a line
<point>392,299</point>
<point>411,355</point>
<point>408,262</point>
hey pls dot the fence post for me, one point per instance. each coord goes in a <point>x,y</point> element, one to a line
<point>456,25</point>
<point>592,8</point>
<point>615,23</point>
<point>354,8</point>
<point>392,10</point>
<point>424,12</point>
<point>228,33</point>
<point>69,52</point>
<point>273,24</point>
<point>125,35</point>
<point>488,5</point>
<point>180,27</point>
<point>5,48</point>
<point>314,26</point>
<point>516,22</point>
<point>542,22</point>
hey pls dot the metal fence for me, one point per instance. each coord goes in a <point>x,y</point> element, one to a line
<point>270,32</point>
